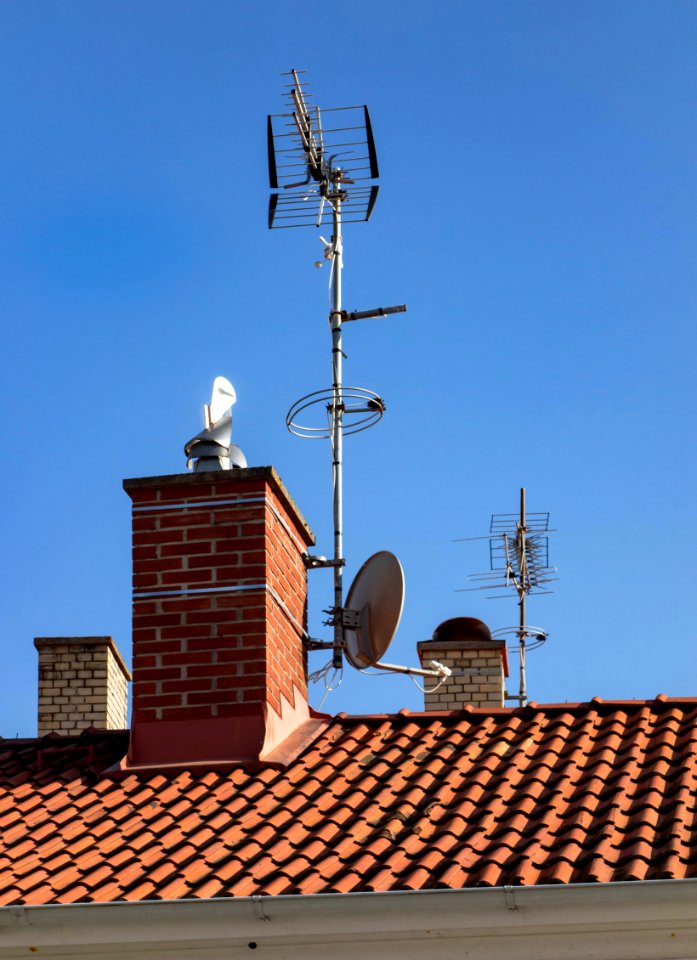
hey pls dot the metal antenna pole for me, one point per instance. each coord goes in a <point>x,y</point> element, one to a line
<point>302,145</point>
<point>522,593</point>
<point>337,424</point>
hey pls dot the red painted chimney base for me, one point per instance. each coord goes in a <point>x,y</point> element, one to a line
<point>250,732</point>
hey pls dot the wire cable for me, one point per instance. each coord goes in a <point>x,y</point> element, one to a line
<point>424,689</point>
<point>330,685</point>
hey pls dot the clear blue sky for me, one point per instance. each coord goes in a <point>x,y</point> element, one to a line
<point>537,214</point>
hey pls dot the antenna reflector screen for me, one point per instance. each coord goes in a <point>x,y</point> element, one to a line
<point>273,176</point>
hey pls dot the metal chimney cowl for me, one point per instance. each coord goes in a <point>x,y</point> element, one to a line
<point>212,450</point>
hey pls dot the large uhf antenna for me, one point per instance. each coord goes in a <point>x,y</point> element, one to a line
<point>519,560</point>
<point>323,170</point>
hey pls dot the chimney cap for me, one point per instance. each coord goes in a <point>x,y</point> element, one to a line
<point>461,628</point>
<point>46,643</point>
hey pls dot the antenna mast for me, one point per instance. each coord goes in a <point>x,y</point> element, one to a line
<point>519,558</point>
<point>300,142</point>
<point>337,419</point>
<point>522,586</point>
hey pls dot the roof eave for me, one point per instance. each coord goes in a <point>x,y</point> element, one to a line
<point>642,919</point>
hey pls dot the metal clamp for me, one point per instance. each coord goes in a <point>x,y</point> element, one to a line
<point>317,563</point>
<point>349,618</point>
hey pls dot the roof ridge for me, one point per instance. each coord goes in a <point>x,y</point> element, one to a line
<point>659,700</point>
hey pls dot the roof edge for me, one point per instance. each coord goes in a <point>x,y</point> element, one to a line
<point>645,919</point>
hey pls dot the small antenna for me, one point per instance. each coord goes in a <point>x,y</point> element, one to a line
<point>322,168</point>
<point>518,558</point>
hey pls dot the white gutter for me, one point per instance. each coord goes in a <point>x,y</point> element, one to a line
<point>645,920</point>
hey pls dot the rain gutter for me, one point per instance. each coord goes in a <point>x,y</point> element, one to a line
<point>644,920</point>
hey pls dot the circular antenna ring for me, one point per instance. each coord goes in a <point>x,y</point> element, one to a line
<point>534,637</point>
<point>362,409</point>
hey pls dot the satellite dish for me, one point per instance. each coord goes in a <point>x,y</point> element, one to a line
<point>373,609</point>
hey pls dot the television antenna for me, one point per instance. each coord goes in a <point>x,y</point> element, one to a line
<point>518,559</point>
<point>322,170</point>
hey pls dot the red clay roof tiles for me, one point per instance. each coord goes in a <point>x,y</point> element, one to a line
<point>561,793</point>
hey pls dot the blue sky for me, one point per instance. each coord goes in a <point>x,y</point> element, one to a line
<point>536,214</point>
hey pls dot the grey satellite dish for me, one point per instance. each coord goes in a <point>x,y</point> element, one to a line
<point>373,609</point>
<point>212,449</point>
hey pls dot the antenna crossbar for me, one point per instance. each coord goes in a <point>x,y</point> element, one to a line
<point>372,314</point>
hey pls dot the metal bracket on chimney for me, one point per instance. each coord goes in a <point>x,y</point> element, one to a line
<point>315,563</point>
<point>342,616</point>
<point>311,643</point>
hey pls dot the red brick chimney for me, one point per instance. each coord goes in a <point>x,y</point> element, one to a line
<point>219,612</point>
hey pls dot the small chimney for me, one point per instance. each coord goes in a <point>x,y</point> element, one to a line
<point>479,664</point>
<point>219,615</point>
<point>83,682</point>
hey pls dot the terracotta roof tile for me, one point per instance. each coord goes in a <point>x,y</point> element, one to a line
<point>565,793</point>
<point>211,888</point>
<point>144,891</point>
